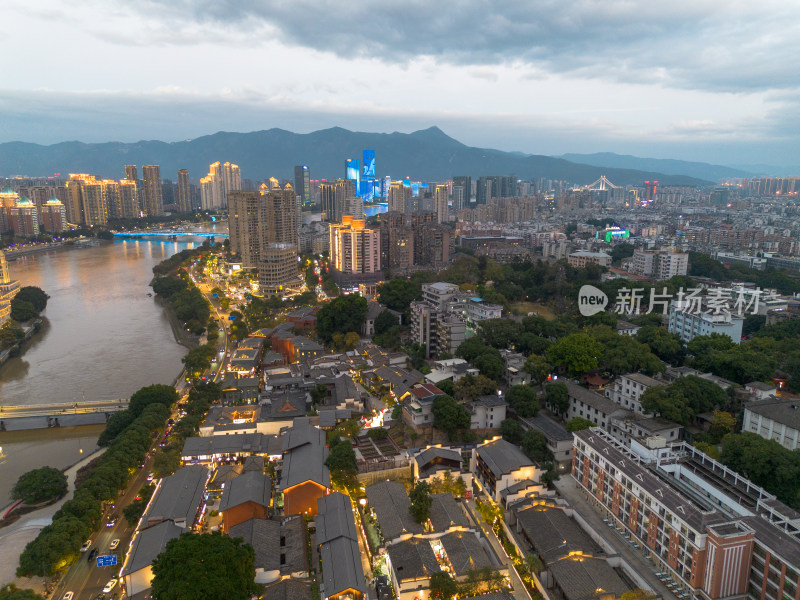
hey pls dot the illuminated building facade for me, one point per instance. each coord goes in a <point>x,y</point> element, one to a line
<point>8,289</point>
<point>53,216</point>
<point>355,250</point>
<point>184,192</point>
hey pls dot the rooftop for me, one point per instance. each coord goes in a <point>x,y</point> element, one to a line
<point>590,398</point>
<point>503,457</point>
<point>413,559</point>
<point>466,552</point>
<point>579,578</point>
<point>390,502</point>
<point>446,513</point>
<point>251,486</point>
<point>177,497</point>
<point>785,411</point>
<point>148,544</point>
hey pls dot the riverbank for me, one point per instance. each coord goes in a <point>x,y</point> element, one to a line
<point>15,537</point>
<point>182,337</point>
<point>32,334</point>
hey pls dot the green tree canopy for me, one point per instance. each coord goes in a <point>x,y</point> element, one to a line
<point>538,368</point>
<point>449,416</point>
<point>512,431</point>
<point>12,592</point>
<point>577,353</point>
<point>40,485</point>
<point>623,354</point>
<point>490,365</point>
<point>204,566</point>
<point>34,295</point>
<point>398,293</point>
<point>578,424</point>
<point>665,345</point>
<point>342,464</point>
<point>534,445</point>
<point>443,586</point>
<point>420,497</point>
<point>341,315</point>
<point>498,333</point>
<point>471,387</point>
<point>385,321</point>
<point>523,400</point>
<point>557,397</point>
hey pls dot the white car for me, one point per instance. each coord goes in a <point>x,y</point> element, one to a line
<point>114,544</point>
<point>86,545</point>
<point>68,596</point>
<point>110,586</point>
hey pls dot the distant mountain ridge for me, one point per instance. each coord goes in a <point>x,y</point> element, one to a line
<point>426,155</point>
<point>669,166</point>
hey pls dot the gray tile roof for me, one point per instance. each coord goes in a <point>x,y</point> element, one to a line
<point>264,536</point>
<point>288,589</point>
<point>251,486</point>
<point>465,552</point>
<point>579,579</point>
<point>552,429</point>
<point>148,544</point>
<point>390,502</point>
<point>224,474</point>
<point>338,545</point>
<point>428,459</point>
<point>643,379</point>
<point>304,456</point>
<point>413,559</point>
<point>590,398</point>
<point>328,418</point>
<point>490,400</point>
<point>785,411</point>
<point>178,496</point>
<point>552,533</point>
<point>503,457</point>
<point>447,513</point>
<point>240,443</point>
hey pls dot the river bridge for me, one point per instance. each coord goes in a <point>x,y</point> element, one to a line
<point>168,233</point>
<point>43,416</point>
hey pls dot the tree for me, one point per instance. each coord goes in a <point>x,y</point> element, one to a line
<point>398,294</point>
<point>512,431</point>
<point>12,592</point>
<point>449,416</point>
<point>40,485</point>
<point>342,464</point>
<point>538,368</point>
<point>534,445</point>
<point>341,315</point>
<point>397,412</point>
<point>665,345</point>
<point>471,387</point>
<point>166,462</point>
<point>204,566</point>
<point>523,400</point>
<point>498,333</point>
<point>34,295</point>
<point>577,352</point>
<point>722,424</point>
<point>134,511</point>
<point>22,311</point>
<point>443,586</point>
<point>385,321</point>
<point>472,348</point>
<point>490,365</point>
<point>623,354</point>
<point>557,397</point>
<point>533,564</point>
<point>318,393</point>
<point>578,424</point>
<point>671,405</point>
<point>420,497</point>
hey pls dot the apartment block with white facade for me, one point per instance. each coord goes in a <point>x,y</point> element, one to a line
<point>776,419</point>
<point>628,389</point>
<point>688,323</point>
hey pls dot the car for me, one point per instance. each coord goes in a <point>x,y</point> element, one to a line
<point>86,545</point>
<point>68,596</point>
<point>112,583</point>
<point>92,554</point>
<point>150,477</point>
<point>112,520</point>
<point>113,545</point>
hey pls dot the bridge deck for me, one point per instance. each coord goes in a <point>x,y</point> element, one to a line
<point>55,409</point>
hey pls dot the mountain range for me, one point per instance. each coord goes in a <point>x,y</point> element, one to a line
<point>669,166</point>
<point>425,155</point>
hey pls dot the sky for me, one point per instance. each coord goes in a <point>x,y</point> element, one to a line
<point>707,80</point>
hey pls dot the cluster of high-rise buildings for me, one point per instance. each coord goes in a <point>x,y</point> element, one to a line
<point>26,218</point>
<point>263,227</point>
<point>214,187</point>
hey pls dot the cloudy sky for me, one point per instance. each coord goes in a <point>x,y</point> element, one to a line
<point>711,80</point>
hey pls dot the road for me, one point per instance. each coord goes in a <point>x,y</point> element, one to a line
<point>87,580</point>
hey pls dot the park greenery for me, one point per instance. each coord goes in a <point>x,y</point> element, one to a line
<point>342,315</point>
<point>12,592</point>
<point>57,544</point>
<point>205,566</point>
<point>185,299</point>
<point>28,303</point>
<point>420,502</point>
<point>341,462</point>
<point>40,485</point>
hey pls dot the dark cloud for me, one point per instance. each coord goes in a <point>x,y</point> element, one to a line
<point>720,45</point>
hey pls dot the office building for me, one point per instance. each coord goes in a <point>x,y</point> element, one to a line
<point>709,531</point>
<point>130,173</point>
<point>302,183</point>
<point>355,251</point>
<point>184,192</point>
<point>153,205</point>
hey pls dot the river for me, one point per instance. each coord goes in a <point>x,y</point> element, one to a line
<point>105,338</point>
